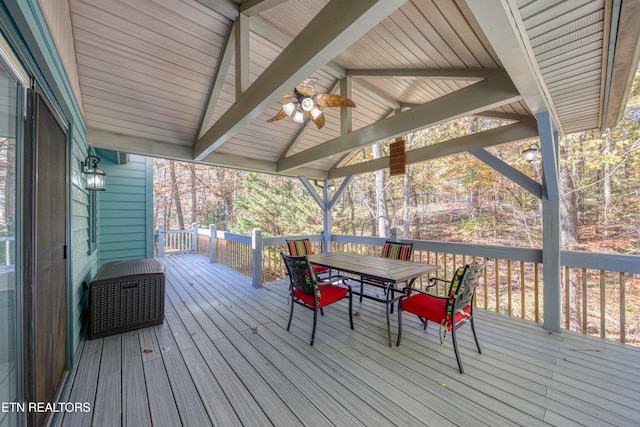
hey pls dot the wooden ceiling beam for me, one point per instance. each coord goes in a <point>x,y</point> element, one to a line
<point>490,93</point>
<point>506,32</point>
<point>130,144</point>
<point>502,116</point>
<point>224,62</point>
<point>137,145</point>
<point>242,63</point>
<point>337,25</point>
<point>432,74</point>
<point>497,136</point>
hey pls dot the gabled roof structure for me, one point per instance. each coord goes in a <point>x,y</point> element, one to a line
<point>196,80</point>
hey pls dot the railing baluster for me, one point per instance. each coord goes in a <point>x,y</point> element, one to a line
<point>567,297</point>
<point>623,325</point>
<point>536,293</point>
<point>603,306</point>
<point>585,314</point>
<point>497,276</point>
<point>522,292</point>
<point>486,289</point>
<point>509,289</point>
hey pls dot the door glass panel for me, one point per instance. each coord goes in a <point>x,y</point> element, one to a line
<point>8,299</point>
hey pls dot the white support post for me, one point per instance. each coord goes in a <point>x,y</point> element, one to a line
<point>326,215</point>
<point>256,259</point>
<point>160,240</point>
<point>194,237</point>
<point>213,256</point>
<point>551,229</point>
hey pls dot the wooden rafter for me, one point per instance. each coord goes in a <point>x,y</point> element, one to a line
<point>508,37</point>
<point>224,62</point>
<point>490,93</point>
<point>501,135</point>
<point>320,41</point>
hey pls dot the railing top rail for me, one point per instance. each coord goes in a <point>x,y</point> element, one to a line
<point>7,238</point>
<point>601,261</point>
<point>282,240</point>
<point>234,237</point>
<point>185,231</point>
<point>488,251</point>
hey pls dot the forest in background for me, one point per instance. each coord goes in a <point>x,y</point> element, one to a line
<point>457,198</point>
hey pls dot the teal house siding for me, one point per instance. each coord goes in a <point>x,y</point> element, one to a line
<point>25,28</point>
<point>84,263</point>
<point>125,226</point>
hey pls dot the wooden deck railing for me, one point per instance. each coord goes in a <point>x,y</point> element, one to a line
<point>173,242</point>
<point>600,292</point>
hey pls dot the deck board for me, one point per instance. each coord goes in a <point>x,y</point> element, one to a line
<point>135,407</point>
<point>223,356</point>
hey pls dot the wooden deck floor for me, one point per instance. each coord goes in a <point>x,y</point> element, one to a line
<point>223,357</point>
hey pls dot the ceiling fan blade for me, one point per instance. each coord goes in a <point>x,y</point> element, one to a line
<point>305,90</point>
<point>281,115</point>
<point>331,100</point>
<point>319,121</point>
<point>288,95</point>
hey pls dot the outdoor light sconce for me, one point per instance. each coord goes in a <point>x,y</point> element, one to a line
<point>530,153</point>
<point>94,177</point>
<point>331,187</point>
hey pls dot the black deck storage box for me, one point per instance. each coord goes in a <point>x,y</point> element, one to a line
<point>126,295</point>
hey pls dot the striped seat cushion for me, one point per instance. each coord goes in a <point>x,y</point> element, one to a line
<point>303,247</point>
<point>299,247</point>
<point>401,251</point>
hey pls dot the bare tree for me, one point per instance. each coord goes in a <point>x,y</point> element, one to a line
<point>381,202</point>
<point>175,194</point>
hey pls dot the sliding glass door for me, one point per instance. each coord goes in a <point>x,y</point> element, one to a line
<point>10,377</point>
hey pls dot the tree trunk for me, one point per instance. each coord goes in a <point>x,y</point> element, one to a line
<point>193,193</point>
<point>406,189</point>
<point>381,203</point>
<point>175,194</point>
<point>569,232</point>
<point>606,183</point>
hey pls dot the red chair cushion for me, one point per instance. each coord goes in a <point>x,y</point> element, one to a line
<point>319,269</point>
<point>431,308</point>
<point>329,294</point>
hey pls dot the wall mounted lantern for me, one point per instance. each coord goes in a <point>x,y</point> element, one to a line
<point>530,153</point>
<point>331,187</point>
<point>94,177</point>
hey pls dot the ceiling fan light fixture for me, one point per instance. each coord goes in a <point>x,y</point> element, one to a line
<point>307,104</point>
<point>289,108</point>
<point>315,112</point>
<point>299,117</point>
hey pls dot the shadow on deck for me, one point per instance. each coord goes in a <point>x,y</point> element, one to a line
<point>223,357</point>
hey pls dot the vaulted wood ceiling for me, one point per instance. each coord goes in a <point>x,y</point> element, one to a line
<point>197,79</point>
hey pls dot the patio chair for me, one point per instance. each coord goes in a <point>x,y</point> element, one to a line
<point>391,250</point>
<point>305,289</point>
<point>302,247</point>
<point>451,310</point>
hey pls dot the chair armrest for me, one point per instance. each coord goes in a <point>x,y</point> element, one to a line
<point>433,281</point>
<point>333,280</point>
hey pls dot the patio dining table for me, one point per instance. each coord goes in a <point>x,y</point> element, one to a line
<point>381,272</point>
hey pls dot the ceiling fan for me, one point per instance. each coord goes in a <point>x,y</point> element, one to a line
<point>304,104</point>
